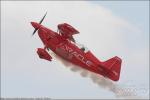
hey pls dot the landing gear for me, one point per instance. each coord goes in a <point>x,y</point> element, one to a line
<point>43,54</point>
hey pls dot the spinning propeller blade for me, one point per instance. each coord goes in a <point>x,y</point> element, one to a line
<point>39,23</point>
<point>42,18</point>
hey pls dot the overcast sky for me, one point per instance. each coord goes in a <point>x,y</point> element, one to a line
<point>112,28</point>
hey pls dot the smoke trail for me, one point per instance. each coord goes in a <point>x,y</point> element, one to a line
<point>118,90</point>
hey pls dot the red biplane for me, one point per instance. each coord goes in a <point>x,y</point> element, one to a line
<point>64,45</point>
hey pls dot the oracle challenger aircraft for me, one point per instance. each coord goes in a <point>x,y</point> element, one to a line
<point>63,44</point>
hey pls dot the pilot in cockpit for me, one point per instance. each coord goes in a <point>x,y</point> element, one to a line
<point>83,49</point>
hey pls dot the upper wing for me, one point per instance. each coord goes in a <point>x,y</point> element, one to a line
<point>67,31</point>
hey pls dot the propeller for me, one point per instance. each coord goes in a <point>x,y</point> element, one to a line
<point>39,23</point>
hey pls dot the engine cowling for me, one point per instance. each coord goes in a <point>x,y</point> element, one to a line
<point>43,54</point>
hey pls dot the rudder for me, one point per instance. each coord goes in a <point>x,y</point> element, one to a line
<point>113,67</point>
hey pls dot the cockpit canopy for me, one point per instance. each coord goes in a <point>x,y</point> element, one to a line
<point>82,47</point>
